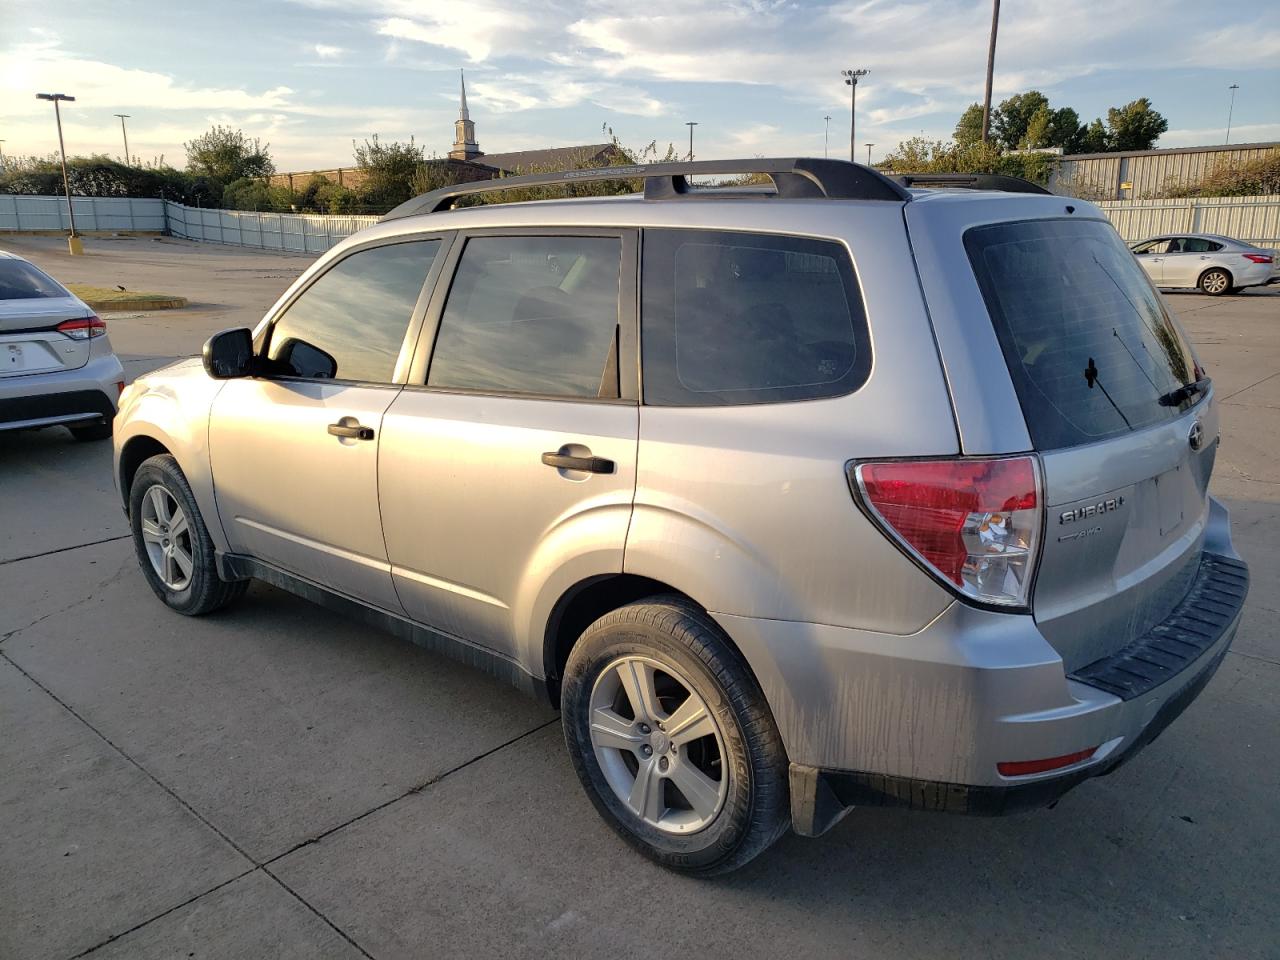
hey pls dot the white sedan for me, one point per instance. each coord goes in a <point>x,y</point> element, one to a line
<point>1215,264</point>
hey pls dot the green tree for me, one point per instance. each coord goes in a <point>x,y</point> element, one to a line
<point>1010,120</point>
<point>248,193</point>
<point>969,127</point>
<point>227,155</point>
<point>1093,138</point>
<point>1065,129</point>
<point>1135,126</point>
<point>388,170</point>
<point>1037,134</point>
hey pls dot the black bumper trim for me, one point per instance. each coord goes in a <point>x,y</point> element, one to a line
<point>57,405</point>
<point>1214,600</point>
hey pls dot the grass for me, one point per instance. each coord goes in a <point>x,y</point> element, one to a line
<point>111,294</point>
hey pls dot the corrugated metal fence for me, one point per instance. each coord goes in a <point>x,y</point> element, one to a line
<point>1255,219</point>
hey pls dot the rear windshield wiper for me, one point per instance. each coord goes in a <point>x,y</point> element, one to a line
<point>1179,396</point>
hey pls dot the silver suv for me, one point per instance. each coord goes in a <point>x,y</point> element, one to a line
<point>848,491</point>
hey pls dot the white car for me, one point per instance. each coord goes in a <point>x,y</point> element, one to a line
<point>57,367</point>
<point>1214,263</point>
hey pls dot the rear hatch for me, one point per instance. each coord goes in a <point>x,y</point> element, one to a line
<point>32,305</point>
<point>1122,417</point>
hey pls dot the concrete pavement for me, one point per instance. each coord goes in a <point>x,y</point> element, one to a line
<point>273,781</point>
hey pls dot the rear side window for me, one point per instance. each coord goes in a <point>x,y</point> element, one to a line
<point>734,318</point>
<point>1086,338</point>
<point>1200,245</point>
<point>356,314</point>
<point>21,281</point>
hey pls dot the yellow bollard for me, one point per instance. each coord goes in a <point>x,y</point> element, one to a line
<point>75,247</point>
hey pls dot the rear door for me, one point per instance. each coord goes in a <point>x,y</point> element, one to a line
<point>32,305</point>
<point>1097,364</point>
<point>507,470</point>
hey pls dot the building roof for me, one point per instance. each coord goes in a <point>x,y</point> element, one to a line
<point>1169,151</point>
<point>550,158</point>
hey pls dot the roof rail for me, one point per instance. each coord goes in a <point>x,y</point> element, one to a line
<point>970,181</point>
<point>792,177</point>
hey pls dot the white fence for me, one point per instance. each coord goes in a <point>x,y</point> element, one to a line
<point>1255,219</point>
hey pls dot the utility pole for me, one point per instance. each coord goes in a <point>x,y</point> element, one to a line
<point>691,124</point>
<point>123,117</point>
<point>1231,109</point>
<point>1,156</point>
<point>869,146</point>
<point>851,81</point>
<point>826,136</point>
<point>74,246</point>
<point>991,68</point>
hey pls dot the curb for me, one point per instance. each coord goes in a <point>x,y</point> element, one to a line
<point>117,306</point>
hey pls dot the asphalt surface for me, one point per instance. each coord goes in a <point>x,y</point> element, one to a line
<point>273,781</point>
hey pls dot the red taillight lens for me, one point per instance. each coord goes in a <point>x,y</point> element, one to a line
<point>1020,768</point>
<point>83,329</point>
<point>974,523</point>
<point>1257,257</point>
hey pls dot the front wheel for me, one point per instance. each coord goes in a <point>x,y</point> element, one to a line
<point>172,542</point>
<point>672,739</point>
<point>1215,282</point>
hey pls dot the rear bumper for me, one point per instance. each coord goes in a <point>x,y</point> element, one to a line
<point>88,394</point>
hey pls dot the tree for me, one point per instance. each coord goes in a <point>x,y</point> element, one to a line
<point>1037,134</point>
<point>1065,129</point>
<point>1135,126</point>
<point>1010,120</point>
<point>969,129</point>
<point>388,170</point>
<point>227,155</point>
<point>1093,138</point>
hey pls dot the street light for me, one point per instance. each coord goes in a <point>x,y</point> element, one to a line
<point>851,81</point>
<point>74,246</point>
<point>123,117</point>
<point>691,124</point>
<point>869,146</point>
<point>1231,109</point>
<point>826,135</point>
<point>991,67</point>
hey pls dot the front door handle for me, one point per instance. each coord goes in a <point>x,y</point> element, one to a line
<point>354,432</point>
<point>590,464</point>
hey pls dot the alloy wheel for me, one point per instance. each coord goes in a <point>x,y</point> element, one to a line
<point>658,744</point>
<point>166,534</point>
<point>1214,282</point>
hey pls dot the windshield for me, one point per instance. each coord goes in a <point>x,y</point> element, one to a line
<point>21,281</point>
<point>1088,342</point>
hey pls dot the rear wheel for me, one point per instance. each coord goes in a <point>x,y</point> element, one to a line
<point>672,739</point>
<point>172,542</point>
<point>1215,282</point>
<point>94,431</point>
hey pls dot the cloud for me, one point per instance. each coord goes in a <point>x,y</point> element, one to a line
<point>328,52</point>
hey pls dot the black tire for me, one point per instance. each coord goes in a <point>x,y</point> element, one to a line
<point>205,591</point>
<point>1215,282</point>
<point>756,809</point>
<point>94,431</point>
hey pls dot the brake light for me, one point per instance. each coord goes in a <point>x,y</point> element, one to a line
<point>975,524</point>
<point>1020,768</point>
<point>1257,257</point>
<point>85,328</point>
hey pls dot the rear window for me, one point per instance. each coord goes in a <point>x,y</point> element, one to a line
<point>733,318</point>
<point>21,281</point>
<point>1086,337</point>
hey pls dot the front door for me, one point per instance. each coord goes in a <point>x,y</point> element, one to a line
<point>1151,256</point>
<point>509,472</point>
<point>295,452</point>
<point>1181,266</point>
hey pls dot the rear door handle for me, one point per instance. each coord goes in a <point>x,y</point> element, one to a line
<point>590,464</point>
<point>355,432</point>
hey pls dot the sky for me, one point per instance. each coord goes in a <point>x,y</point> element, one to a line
<point>758,76</point>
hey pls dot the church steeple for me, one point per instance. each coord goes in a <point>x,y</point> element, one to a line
<point>464,140</point>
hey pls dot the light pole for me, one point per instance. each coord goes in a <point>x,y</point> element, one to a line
<point>1231,109</point>
<point>851,81</point>
<point>826,136</point>
<point>991,67</point>
<point>868,146</point>
<point>74,246</point>
<point>123,117</point>
<point>691,124</point>
<point>1,156</point>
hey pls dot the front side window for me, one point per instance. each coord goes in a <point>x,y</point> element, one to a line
<point>351,323</point>
<point>732,318</point>
<point>532,315</point>
<point>1152,246</point>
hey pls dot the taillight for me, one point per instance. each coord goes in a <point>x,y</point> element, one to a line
<point>85,328</point>
<point>1020,768</point>
<point>974,524</point>
<point>1257,257</point>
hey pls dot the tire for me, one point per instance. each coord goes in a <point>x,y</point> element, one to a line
<point>194,591</point>
<point>742,758</point>
<point>95,431</point>
<point>1215,282</point>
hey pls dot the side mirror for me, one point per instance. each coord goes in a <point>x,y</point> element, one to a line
<point>302,359</point>
<point>229,354</point>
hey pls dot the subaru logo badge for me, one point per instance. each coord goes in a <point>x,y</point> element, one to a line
<point>1196,436</point>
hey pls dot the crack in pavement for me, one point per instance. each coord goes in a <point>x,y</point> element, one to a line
<point>120,571</point>
<point>78,546</point>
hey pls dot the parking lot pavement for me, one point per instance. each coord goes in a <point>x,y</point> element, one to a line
<point>276,781</point>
